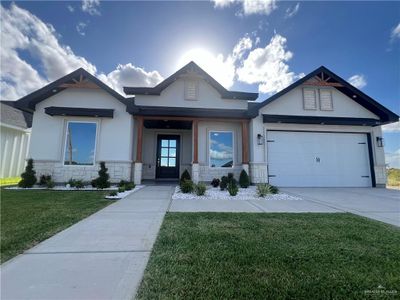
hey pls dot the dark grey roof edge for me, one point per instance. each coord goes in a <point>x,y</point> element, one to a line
<point>79,111</point>
<point>295,119</point>
<point>14,116</point>
<point>29,101</point>
<point>386,115</point>
<point>225,94</point>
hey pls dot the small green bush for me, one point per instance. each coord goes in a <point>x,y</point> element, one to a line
<point>79,184</point>
<point>244,180</point>
<point>102,182</point>
<point>50,184</point>
<point>224,183</point>
<point>215,182</point>
<point>187,186</point>
<point>122,183</point>
<point>121,189</point>
<point>44,179</point>
<point>264,189</point>
<point>273,189</point>
<point>29,176</point>
<point>232,188</point>
<point>129,186</point>
<point>113,194</point>
<point>200,189</point>
<point>185,176</point>
<point>72,182</point>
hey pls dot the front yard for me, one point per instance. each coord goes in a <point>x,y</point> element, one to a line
<point>29,217</point>
<point>272,256</point>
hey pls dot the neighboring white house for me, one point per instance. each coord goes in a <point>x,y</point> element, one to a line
<point>14,139</point>
<point>319,131</point>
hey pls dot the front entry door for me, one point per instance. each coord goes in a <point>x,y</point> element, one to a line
<point>167,156</point>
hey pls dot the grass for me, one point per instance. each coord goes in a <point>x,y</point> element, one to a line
<point>272,256</point>
<point>9,181</point>
<point>393,177</point>
<point>29,217</point>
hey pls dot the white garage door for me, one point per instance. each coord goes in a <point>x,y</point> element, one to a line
<point>308,159</point>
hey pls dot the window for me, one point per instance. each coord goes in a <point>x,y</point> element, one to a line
<point>221,149</point>
<point>191,89</point>
<point>325,100</point>
<point>309,99</point>
<point>168,153</point>
<point>80,143</point>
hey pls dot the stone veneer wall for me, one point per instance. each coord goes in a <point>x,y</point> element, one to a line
<point>61,173</point>
<point>258,173</point>
<point>380,176</point>
<point>207,174</point>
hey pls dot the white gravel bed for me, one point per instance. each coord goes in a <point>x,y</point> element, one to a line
<point>124,194</point>
<point>244,194</point>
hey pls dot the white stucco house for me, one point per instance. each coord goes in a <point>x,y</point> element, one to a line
<point>318,132</point>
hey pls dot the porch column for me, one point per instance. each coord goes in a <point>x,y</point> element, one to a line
<point>245,145</point>
<point>137,177</point>
<point>195,162</point>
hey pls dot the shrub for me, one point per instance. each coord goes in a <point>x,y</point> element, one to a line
<point>187,186</point>
<point>121,189</point>
<point>50,184</point>
<point>244,180</point>
<point>72,182</point>
<point>185,176</point>
<point>129,186</point>
<point>232,188</point>
<point>102,181</point>
<point>113,194</point>
<point>273,189</point>
<point>79,184</point>
<point>215,182</point>
<point>29,176</point>
<point>262,189</point>
<point>224,183</point>
<point>200,189</point>
<point>230,176</point>
<point>122,183</point>
<point>44,179</point>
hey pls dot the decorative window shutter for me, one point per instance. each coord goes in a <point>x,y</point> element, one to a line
<point>191,89</point>
<point>325,99</point>
<point>309,99</point>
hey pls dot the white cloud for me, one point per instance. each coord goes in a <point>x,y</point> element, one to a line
<point>268,66</point>
<point>292,11</point>
<point>214,154</point>
<point>395,34</point>
<point>393,127</point>
<point>358,80</point>
<point>81,28</point>
<point>22,32</point>
<point>129,75</point>
<point>241,47</point>
<point>71,8</point>
<point>392,159</point>
<point>249,7</point>
<point>91,7</point>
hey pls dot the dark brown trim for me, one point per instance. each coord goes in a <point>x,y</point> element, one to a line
<point>79,112</point>
<point>371,160</point>
<point>245,142</point>
<point>191,67</point>
<point>319,120</point>
<point>195,130</point>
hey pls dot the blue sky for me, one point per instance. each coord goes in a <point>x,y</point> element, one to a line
<point>260,47</point>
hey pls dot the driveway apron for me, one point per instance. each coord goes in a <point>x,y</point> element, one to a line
<point>100,257</point>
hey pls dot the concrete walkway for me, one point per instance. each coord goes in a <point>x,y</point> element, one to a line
<point>374,203</point>
<point>101,257</point>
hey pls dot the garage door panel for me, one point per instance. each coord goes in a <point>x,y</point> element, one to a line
<point>318,159</point>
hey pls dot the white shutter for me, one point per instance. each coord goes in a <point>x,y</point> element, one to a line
<point>309,99</point>
<point>191,87</point>
<point>325,99</point>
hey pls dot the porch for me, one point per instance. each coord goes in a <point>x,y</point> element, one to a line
<point>166,146</point>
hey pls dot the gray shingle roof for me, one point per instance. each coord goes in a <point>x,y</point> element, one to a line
<point>13,116</point>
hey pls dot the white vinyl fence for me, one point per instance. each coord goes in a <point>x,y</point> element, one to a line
<point>14,150</point>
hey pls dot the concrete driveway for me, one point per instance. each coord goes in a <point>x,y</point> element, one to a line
<point>375,203</point>
<point>100,257</point>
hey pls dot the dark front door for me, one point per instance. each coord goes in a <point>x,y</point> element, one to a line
<point>167,156</point>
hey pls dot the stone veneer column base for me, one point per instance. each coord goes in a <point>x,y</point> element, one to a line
<point>137,173</point>
<point>246,168</point>
<point>258,172</point>
<point>380,176</point>
<point>195,173</point>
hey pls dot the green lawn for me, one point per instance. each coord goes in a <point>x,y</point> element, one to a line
<point>29,217</point>
<point>272,256</point>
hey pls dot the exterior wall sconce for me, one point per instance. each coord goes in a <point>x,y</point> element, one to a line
<point>379,141</point>
<point>260,139</point>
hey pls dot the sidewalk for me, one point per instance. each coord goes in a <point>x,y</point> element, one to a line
<point>100,257</point>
